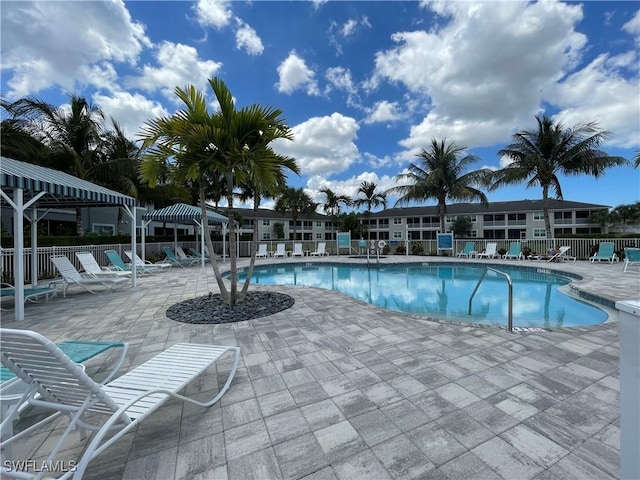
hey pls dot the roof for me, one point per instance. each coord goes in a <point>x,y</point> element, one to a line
<point>248,213</point>
<point>181,212</point>
<point>493,207</point>
<point>63,190</point>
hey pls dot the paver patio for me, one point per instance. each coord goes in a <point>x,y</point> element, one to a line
<point>335,388</point>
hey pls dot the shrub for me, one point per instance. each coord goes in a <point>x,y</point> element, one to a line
<point>417,249</point>
<point>401,249</point>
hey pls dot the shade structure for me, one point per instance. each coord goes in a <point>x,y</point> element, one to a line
<point>26,186</point>
<point>184,214</point>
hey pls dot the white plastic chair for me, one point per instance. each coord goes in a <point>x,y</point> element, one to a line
<point>91,267</point>
<point>490,251</point>
<point>71,276</point>
<point>562,255</point>
<point>262,251</point>
<point>297,250</point>
<point>321,250</point>
<point>280,251</point>
<point>146,265</point>
<point>60,385</point>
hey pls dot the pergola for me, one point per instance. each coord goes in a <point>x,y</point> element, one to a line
<point>26,186</point>
<point>183,214</point>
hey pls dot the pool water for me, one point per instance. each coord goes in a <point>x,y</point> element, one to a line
<point>443,291</point>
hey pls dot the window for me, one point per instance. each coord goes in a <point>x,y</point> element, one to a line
<point>397,235</point>
<point>429,235</point>
<point>397,221</point>
<point>319,235</point>
<point>538,215</point>
<point>539,233</point>
<point>103,229</point>
<point>415,235</point>
<point>413,221</point>
<point>474,233</point>
<point>266,235</point>
<point>450,218</point>
<point>474,218</point>
<point>319,223</point>
<point>266,222</point>
<point>383,222</point>
<point>382,236</point>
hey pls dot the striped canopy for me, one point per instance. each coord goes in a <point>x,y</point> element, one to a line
<point>63,190</point>
<point>183,213</point>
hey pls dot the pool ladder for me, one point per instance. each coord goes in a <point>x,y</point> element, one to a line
<point>506,275</point>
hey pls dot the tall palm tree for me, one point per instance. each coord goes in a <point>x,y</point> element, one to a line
<point>227,143</point>
<point>332,204</point>
<point>540,155</point>
<point>442,174</point>
<point>625,214</point>
<point>372,198</point>
<point>295,202</point>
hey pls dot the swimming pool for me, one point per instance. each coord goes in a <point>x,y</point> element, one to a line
<point>443,291</point>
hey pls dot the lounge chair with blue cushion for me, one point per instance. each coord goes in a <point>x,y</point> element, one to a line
<point>111,410</point>
<point>195,253</point>
<point>31,294</point>
<point>174,260</point>
<point>116,262</point>
<point>515,251</point>
<point>71,276</point>
<point>468,251</point>
<point>91,267</point>
<point>606,252</point>
<point>631,257</point>
<point>146,265</point>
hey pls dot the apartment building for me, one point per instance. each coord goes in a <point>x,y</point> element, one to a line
<point>498,221</point>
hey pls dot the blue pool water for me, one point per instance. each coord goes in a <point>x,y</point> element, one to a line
<point>443,291</point>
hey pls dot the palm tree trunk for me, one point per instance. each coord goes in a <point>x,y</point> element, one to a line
<point>224,293</point>
<point>545,211</point>
<point>442,209</point>
<point>79,226</point>
<point>233,267</point>
<point>254,246</point>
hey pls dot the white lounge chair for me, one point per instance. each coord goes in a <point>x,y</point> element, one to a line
<point>146,265</point>
<point>490,251</point>
<point>321,250</point>
<point>297,250</point>
<point>262,251</point>
<point>71,276</point>
<point>280,251</point>
<point>60,385</point>
<point>91,267</point>
<point>562,255</point>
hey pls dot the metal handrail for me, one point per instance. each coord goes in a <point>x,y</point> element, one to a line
<point>506,275</point>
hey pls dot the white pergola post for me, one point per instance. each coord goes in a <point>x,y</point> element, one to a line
<point>131,212</point>
<point>202,249</point>
<point>224,241</point>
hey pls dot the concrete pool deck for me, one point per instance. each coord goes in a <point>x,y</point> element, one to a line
<point>335,388</point>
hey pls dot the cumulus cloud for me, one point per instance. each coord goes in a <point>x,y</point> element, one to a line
<point>349,27</point>
<point>484,68</point>
<point>294,75</point>
<point>383,111</point>
<point>248,39</point>
<point>131,111</point>
<point>178,65</point>
<point>214,13</point>
<point>323,145</point>
<point>633,26</point>
<point>40,46</point>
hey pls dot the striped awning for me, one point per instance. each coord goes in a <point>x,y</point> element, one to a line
<point>63,190</point>
<point>181,212</point>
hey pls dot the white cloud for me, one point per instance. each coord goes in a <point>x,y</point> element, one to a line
<point>384,111</point>
<point>323,145</point>
<point>41,47</point>
<point>598,93</point>
<point>633,26</point>
<point>248,39</point>
<point>215,13</point>
<point>178,65</point>
<point>131,111</point>
<point>318,3</point>
<point>340,78</point>
<point>294,75</point>
<point>484,69</point>
<point>349,27</point>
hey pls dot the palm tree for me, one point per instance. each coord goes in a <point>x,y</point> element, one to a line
<point>625,214</point>
<point>228,143</point>
<point>295,202</point>
<point>541,154</point>
<point>332,205</point>
<point>442,174</point>
<point>372,198</point>
<point>73,136</point>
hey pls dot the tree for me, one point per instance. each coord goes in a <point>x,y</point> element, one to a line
<point>332,204</point>
<point>442,175</point>
<point>601,217</point>
<point>625,215</point>
<point>350,222</point>
<point>295,202</point>
<point>278,230</point>
<point>462,226</point>
<point>230,143</point>
<point>540,155</point>
<point>372,198</point>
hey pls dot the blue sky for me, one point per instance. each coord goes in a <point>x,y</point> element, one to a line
<point>364,85</point>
